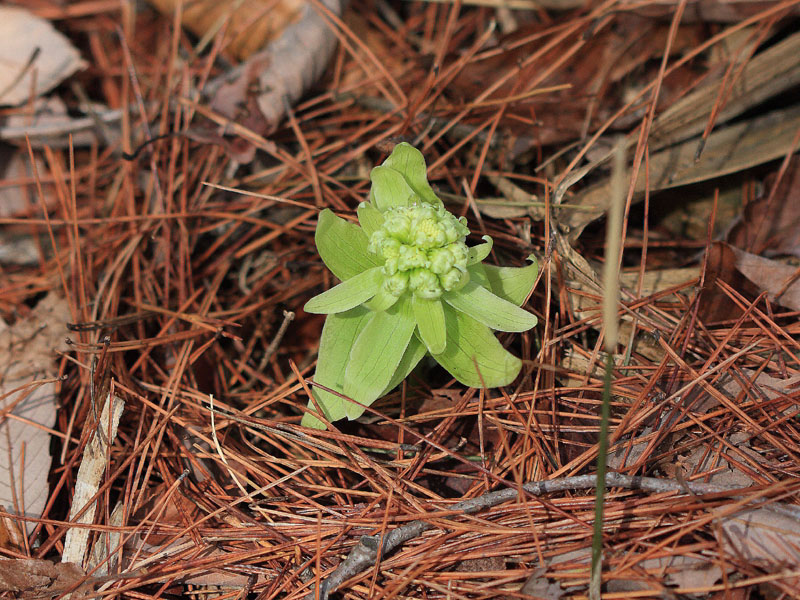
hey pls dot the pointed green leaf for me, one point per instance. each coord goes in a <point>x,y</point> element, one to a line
<point>382,300</point>
<point>479,252</point>
<point>512,283</point>
<point>409,162</point>
<point>348,294</point>
<point>473,355</point>
<point>430,321</point>
<point>389,189</point>
<point>482,305</point>
<point>370,218</point>
<point>342,246</point>
<point>478,275</point>
<point>414,353</point>
<point>376,355</point>
<point>338,335</point>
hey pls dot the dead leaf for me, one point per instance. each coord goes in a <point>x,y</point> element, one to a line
<point>20,200</point>
<point>630,452</point>
<point>770,224</point>
<point>248,25</point>
<point>31,50</point>
<point>38,576</point>
<point>255,93</point>
<point>18,248</point>
<point>725,473</point>
<point>728,150</point>
<point>50,124</point>
<point>781,281</point>
<point>678,571</point>
<point>539,586</point>
<point>765,75</point>
<point>582,279</point>
<point>765,387</point>
<point>27,352</point>
<point>707,11</point>
<point>716,305</point>
<point>766,537</point>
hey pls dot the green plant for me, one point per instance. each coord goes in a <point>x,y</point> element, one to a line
<point>410,286</point>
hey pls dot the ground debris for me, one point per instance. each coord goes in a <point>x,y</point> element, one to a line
<point>38,578</point>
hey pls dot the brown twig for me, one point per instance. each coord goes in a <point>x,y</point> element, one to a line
<point>366,552</point>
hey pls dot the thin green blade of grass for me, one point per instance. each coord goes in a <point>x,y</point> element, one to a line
<point>611,295</point>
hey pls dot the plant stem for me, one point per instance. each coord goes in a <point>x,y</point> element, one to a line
<point>595,582</point>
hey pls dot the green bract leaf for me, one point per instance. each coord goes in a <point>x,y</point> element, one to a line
<point>512,283</point>
<point>348,294</point>
<point>415,352</point>
<point>370,218</point>
<point>338,335</point>
<point>429,315</point>
<point>479,252</point>
<point>478,275</point>
<point>342,246</point>
<point>483,306</point>
<point>376,355</point>
<point>411,164</point>
<point>473,355</point>
<point>389,189</point>
<point>382,300</point>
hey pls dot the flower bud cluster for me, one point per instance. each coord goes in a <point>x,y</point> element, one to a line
<point>423,248</point>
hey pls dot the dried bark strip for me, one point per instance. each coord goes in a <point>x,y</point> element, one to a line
<point>88,482</point>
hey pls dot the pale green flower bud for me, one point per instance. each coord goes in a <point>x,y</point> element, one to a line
<point>427,243</point>
<point>390,266</point>
<point>376,242</point>
<point>411,257</point>
<point>398,225</point>
<point>424,284</point>
<point>396,284</point>
<point>441,260</point>
<point>460,255</point>
<point>454,279</point>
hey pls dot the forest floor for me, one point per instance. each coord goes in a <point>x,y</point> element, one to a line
<point>158,213</point>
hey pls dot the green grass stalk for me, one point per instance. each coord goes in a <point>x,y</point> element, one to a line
<point>611,296</point>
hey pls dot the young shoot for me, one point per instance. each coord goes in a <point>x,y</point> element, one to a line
<point>410,286</point>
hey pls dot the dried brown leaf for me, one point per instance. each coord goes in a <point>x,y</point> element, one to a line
<point>764,387</point>
<point>48,123</point>
<point>729,150</point>
<point>539,586</point>
<point>781,281</point>
<point>715,305</point>
<point>38,576</point>
<point>248,25</point>
<point>770,224</point>
<point>27,352</point>
<point>257,91</point>
<point>766,537</point>
<point>19,200</point>
<point>677,571</point>
<point>767,74</point>
<point>704,11</point>
<point>31,50</point>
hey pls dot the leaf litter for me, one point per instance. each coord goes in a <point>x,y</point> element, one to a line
<point>188,260</point>
<point>28,404</point>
